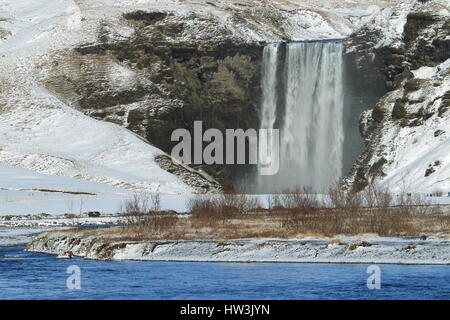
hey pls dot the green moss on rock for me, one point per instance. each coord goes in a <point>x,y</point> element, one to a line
<point>399,110</point>
<point>413,84</point>
<point>378,112</point>
<point>135,116</point>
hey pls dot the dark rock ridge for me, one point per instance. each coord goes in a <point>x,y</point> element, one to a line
<point>200,180</point>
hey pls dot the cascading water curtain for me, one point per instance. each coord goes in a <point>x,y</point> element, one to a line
<point>308,109</point>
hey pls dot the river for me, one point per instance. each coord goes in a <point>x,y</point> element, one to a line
<point>25,275</point>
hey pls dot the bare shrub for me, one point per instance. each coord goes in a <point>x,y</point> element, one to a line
<point>142,213</point>
<point>134,209</point>
<point>300,211</point>
<point>301,205</point>
<point>374,210</point>
<point>233,204</point>
<point>274,202</point>
<point>155,201</point>
<point>221,207</point>
<point>201,206</point>
<point>376,197</point>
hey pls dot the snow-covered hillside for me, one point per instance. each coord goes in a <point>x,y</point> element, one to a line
<point>418,156</point>
<point>27,192</point>
<point>407,133</point>
<point>40,130</point>
<point>41,134</point>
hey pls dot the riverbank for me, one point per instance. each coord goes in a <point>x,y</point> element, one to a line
<point>366,249</point>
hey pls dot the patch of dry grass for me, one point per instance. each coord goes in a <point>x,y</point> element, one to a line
<point>269,225</point>
<point>294,214</point>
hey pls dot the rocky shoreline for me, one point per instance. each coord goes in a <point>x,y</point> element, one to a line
<point>357,249</point>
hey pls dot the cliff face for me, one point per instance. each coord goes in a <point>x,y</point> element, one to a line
<point>407,47</point>
<point>153,84</point>
<point>156,68</point>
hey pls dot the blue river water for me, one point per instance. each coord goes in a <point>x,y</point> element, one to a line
<point>25,275</point>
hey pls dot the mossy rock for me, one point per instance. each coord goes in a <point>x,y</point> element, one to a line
<point>114,120</point>
<point>442,109</point>
<point>446,96</point>
<point>378,112</point>
<point>413,84</point>
<point>423,115</point>
<point>146,17</point>
<point>399,110</point>
<point>418,100</point>
<point>135,116</point>
<point>414,123</point>
<point>101,114</point>
<point>377,168</point>
<point>432,168</point>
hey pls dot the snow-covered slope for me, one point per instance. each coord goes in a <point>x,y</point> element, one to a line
<point>418,156</point>
<point>39,132</point>
<point>14,179</point>
<point>407,133</point>
<point>42,134</point>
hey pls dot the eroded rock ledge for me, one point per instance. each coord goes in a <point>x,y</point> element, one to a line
<point>407,250</point>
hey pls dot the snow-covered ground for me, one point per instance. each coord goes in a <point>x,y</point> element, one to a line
<point>26,192</point>
<point>53,139</point>
<point>358,249</point>
<point>19,230</point>
<point>411,150</point>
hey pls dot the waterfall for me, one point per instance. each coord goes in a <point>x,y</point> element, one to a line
<point>302,96</point>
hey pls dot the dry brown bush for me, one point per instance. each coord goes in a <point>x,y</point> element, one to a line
<point>373,210</point>
<point>142,214</point>
<point>299,205</point>
<point>290,214</point>
<point>215,208</point>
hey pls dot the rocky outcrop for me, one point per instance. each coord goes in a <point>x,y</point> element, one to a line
<point>407,48</point>
<point>201,181</point>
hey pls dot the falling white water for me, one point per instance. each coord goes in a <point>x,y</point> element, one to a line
<point>269,84</point>
<point>303,97</point>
